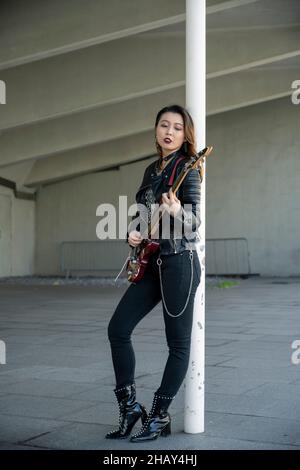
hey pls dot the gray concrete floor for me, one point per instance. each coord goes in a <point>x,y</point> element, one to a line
<point>56,386</point>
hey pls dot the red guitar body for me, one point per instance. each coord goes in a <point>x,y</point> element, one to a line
<point>137,263</point>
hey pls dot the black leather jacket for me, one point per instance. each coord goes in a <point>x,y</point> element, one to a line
<point>189,194</point>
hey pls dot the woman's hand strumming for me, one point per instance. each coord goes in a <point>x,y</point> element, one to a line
<point>134,238</point>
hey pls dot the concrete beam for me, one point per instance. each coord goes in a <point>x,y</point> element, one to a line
<point>255,86</point>
<point>85,80</point>
<point>248,88</point>
<point>216,6</point>
<point>92,158</point>
<point>130,118</point>
<point>233,51</point>
<point>18,173</point>
<point>34,30</point>
<point>79,81</point>
<point>87,128</point>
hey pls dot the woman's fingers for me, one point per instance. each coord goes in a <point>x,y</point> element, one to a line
<point>170,197</point>
<point>135,234</point>
<point>134,243</point>
<point>173,196</point>
<point>165,197</point>
<point>171,202</point>
<point>135,238</point>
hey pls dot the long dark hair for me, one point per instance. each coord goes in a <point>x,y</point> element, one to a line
<point>188,148</point>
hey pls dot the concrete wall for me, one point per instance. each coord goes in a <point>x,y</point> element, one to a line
<point>66,211</point>
<point>253,188</point>
<point>17,235</point>
<point>253,191</point>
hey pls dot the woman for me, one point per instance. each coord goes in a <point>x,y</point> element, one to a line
<point>172,275</point>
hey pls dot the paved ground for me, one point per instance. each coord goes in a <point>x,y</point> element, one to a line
<point>56,387</point>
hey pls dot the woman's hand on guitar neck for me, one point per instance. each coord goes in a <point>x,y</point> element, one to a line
<point>171,203</point>
<point>134,238</point>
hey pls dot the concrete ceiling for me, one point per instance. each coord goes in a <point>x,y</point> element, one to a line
<point>84,84</point>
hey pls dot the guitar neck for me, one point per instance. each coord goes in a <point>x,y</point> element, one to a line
<point>198,161</point>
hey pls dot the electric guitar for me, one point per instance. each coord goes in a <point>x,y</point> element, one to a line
<point>139,256</point>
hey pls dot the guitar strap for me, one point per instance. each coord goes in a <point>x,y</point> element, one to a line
<point>171,179</point>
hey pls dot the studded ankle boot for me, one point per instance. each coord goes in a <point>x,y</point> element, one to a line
<point>158,422</point>
<point>130,411</point>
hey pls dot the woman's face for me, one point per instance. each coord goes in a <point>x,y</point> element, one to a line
<point>170,132</point>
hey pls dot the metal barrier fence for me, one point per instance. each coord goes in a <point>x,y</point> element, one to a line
<point>106,256</point>
<point>224,256</point>
<point>227,256</point>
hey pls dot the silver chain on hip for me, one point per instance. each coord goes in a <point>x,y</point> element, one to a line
<point>159,262</point>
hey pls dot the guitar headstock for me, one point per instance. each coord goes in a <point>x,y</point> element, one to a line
<point>197,160</point>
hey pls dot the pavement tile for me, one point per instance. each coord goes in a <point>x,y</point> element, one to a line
<point>56,390</point>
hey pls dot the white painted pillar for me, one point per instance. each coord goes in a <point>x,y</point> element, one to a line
<point>196,105</point>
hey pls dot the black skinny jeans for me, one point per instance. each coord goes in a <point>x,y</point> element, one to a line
<point>139,299</point>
